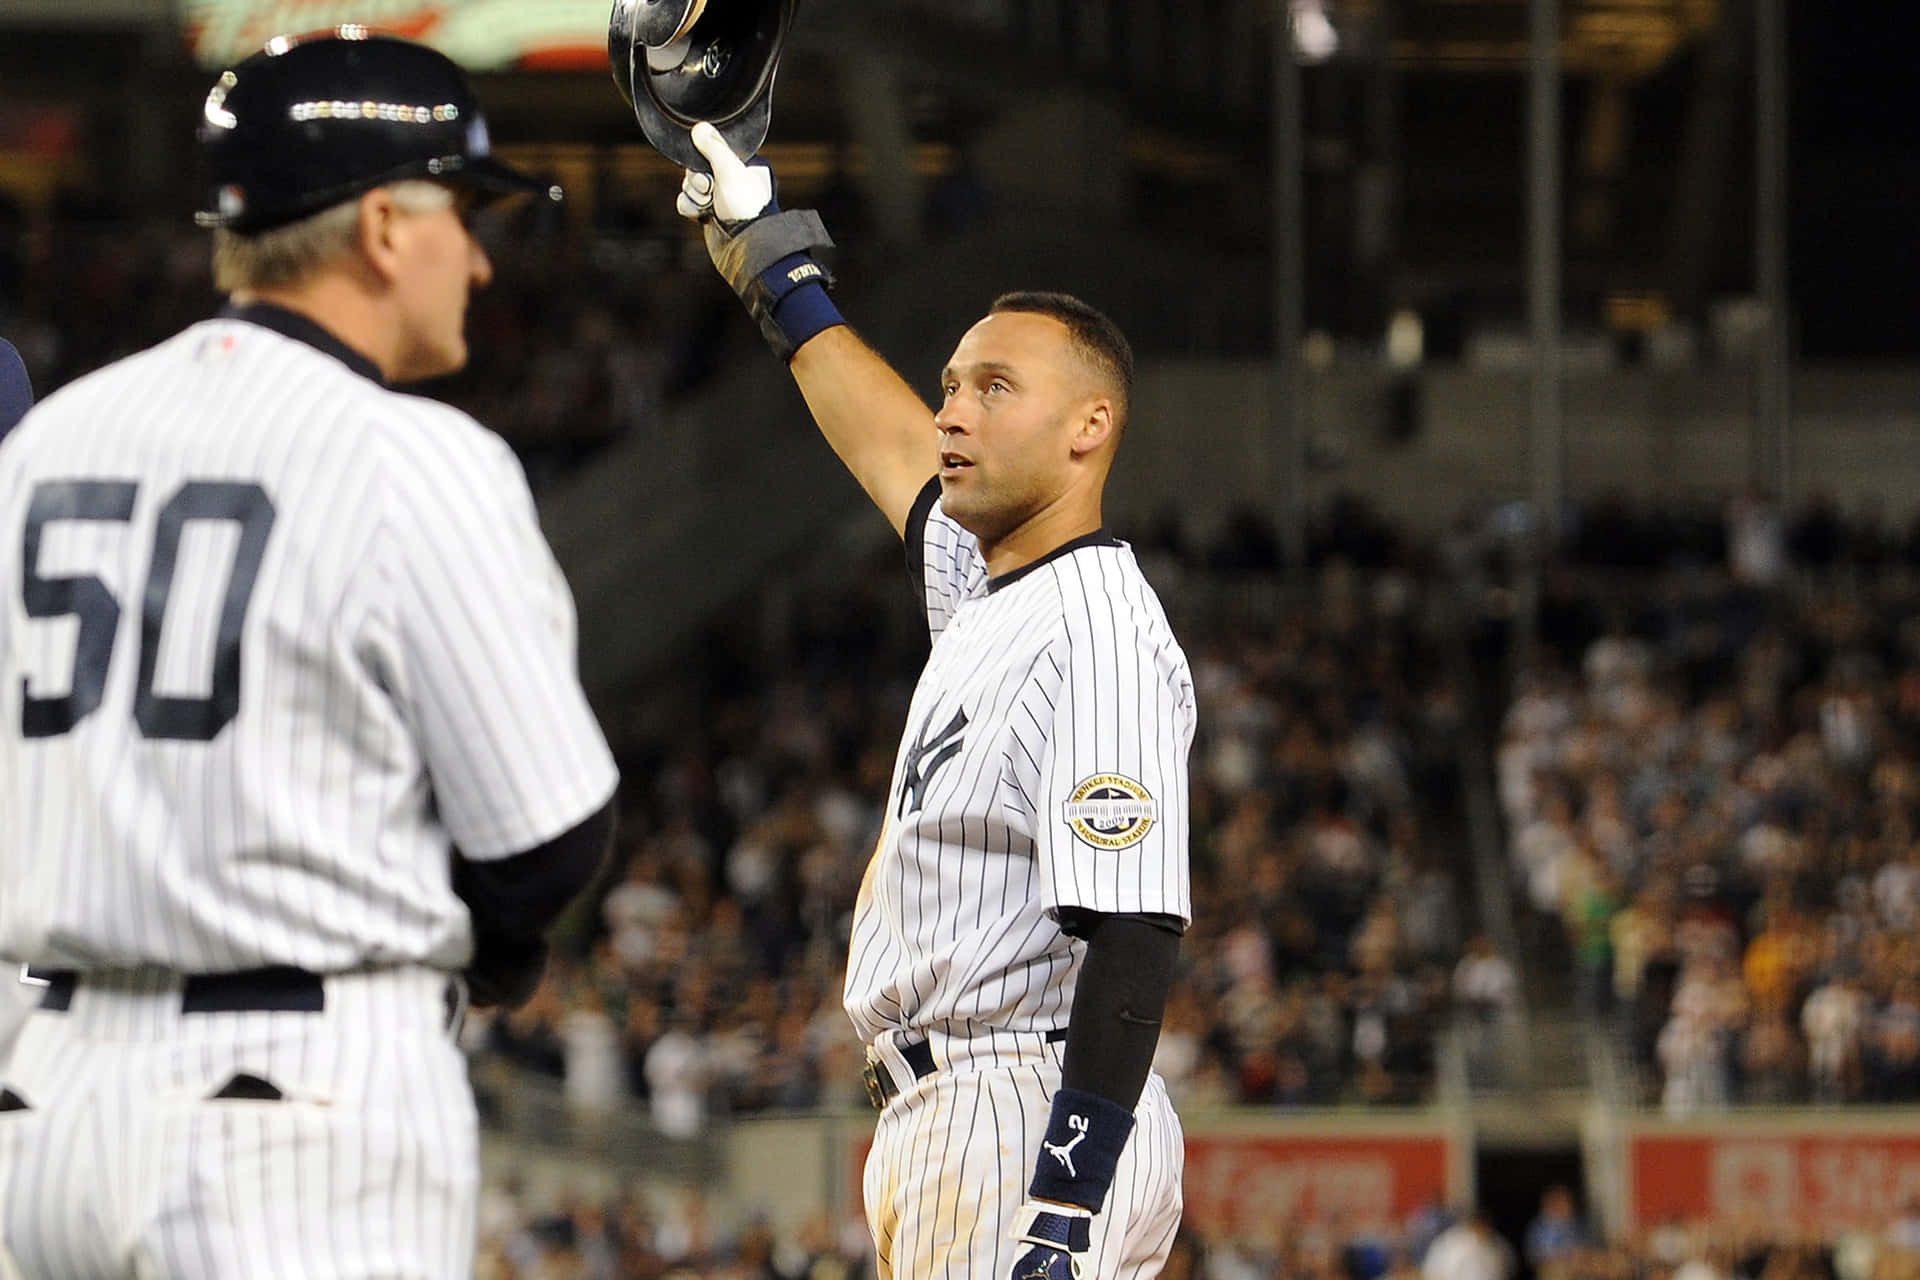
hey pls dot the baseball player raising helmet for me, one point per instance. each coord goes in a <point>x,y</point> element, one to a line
<point>1018,926</point>
<point>290,733</point>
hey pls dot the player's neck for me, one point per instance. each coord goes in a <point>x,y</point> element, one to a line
<point>1044,531</point>
<point>343,310</point>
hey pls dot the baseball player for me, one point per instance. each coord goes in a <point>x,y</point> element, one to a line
<point>1017,929</point>
<point>290,732</point>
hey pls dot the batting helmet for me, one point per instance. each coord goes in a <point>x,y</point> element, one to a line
<point>309,122</point>
<point>683,61</point>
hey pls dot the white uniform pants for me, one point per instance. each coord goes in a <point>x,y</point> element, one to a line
<point>953,1153</point>
<point>119,1164</point>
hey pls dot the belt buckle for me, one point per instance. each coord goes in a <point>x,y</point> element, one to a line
<point>879,1084</point>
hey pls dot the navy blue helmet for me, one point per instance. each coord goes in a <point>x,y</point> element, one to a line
<point>679,62</point>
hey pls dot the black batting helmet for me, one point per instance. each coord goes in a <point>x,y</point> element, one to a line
<point>683,61</point>
<point>310,121</point>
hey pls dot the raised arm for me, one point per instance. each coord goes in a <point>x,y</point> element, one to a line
<point>873,420</point>
<point>881,430</point>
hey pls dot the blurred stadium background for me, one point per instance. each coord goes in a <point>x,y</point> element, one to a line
<point>1526,454</point>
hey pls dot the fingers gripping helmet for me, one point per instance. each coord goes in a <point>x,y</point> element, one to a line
<point>309,122</point>
<point>683,61</point>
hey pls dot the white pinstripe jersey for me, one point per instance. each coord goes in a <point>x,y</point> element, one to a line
<point>1044,765</point>
<point>275,640</point>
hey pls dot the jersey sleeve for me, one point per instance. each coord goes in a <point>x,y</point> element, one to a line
<point>943,559</point>
<point>1111,825</point>
<point>484,625</point>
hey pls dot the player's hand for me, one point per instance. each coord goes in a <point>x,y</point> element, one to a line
<point>736,192</point>
<point>766,255</point>
<point>1057,1235</point>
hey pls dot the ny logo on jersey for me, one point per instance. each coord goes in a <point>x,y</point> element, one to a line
<point>942,747</point>
<point>1063,1152</point>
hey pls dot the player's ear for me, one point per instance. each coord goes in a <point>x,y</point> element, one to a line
<point>1097,426</point>
<point>378,232</point>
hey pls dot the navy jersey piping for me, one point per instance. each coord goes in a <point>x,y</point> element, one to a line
<point>915,535</point>
<point>291,324</point>
<point>1098,538</point>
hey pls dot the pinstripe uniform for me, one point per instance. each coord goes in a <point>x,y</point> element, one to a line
<point>1044,766</point>
<point>277,641</point>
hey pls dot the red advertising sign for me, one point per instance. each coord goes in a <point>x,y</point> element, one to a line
<point>1240,1184</point>
<point>1812,1176</point>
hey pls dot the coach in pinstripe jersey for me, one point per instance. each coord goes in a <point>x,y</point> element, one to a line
<point>293,753</point>
<point>1031,883</point>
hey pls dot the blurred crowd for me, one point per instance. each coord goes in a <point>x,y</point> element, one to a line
<point>1710,784</point>
<point>627,1237</point>
<point>581,338</point>
<point>595,319</point>
<point>1322,958</point>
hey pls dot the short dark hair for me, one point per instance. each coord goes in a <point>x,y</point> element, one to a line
<point>1096,339</point>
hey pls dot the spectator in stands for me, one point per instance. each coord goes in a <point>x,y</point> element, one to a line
<point>1544,851</point>
<point>1485,984</point>
<point>1904,1231</point>
<point>1638,934</point>
<point>1704,1261</point>
<point>677,1078</point>
<point>1833,1019</point>
<point>1556,1231</point>
<point>1469,1250</point>
<point>1893,1045</point>
<point>594,1075</point>
<point>1773,1067</point>
<point>1592,899</point>
<point>637,908</point>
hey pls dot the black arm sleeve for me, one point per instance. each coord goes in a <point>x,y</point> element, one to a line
<point>1115,1025</point>
<point>514,899</point>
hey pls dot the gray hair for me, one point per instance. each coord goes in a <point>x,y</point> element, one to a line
<point>284,255</point>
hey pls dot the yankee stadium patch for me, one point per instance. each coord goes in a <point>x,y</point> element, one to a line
<point>1110,811</point>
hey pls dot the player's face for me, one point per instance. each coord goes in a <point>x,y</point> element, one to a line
<point>1012,399</point>
<point>442,266</point>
